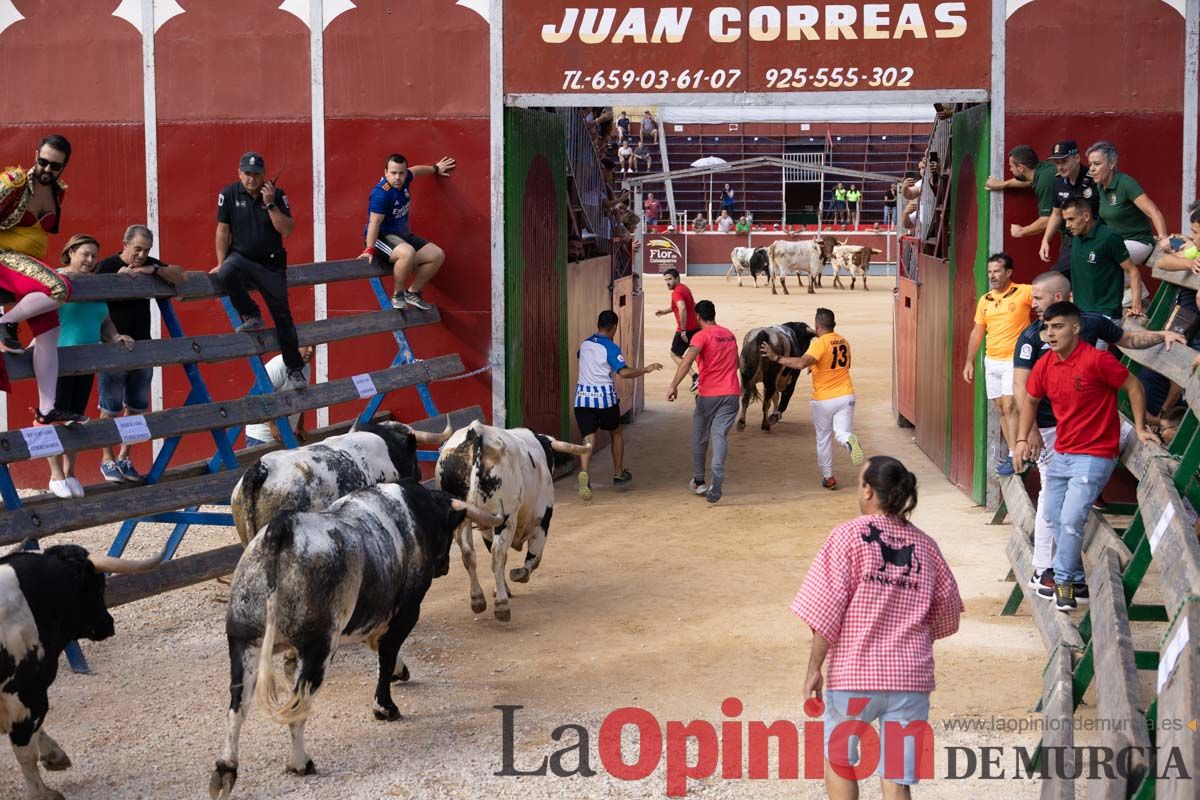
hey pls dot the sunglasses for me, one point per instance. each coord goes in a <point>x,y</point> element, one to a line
<point>53,166</point>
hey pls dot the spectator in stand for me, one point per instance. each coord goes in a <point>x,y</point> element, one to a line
<point>698,224</point>
<point>127,393</point>
<point>1082,384</point>
<point>743,225</point>
<point>388,233</point>
<point>725,222</point>
<point>687,325</point>
<point>1100,257</point>
<point>889,205</point>
<point>714,351</point>
<point>1126,209</point>
<point>876,627</point>
<point>1002,313</point>
<point>1071,181</point>
<point>649,128</point>
<point>651,208</point>
<point>839,203</point>
<point>1050,288</point>
<point>266,432</point>
<point>1030,173</point>
<point>625,157</point>
<point>749,217</point>
<point>596,404</point>
<point>1185,317</point>
<point>853,197</point>
<point>727,199</point>
<point>642,158</point>
<point>622,128</point>
<point>82,323</point>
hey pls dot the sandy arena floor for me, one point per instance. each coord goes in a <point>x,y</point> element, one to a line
<point>647,597</point>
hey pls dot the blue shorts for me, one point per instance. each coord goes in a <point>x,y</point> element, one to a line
<point>898,707</point>
<point>125,390</point>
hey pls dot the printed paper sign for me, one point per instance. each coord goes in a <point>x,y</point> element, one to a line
<point>42,441</point>
<point>365,386</point>
<point>1161,528</point>
<point>1170,656</point>
<point>132,429</point>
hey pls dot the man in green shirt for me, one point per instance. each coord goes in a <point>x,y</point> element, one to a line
<point>853,195</point>
<point>839,203</point>
<point>1028,173</point>
<point>742,225</point>
<point>1098,259</point>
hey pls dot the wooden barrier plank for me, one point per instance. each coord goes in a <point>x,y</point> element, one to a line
<point>174,574</point>
<point>1058,737</point>
<point>1172,538</point>
<point>1118,696</point>
<point>1100,538</point>
<point>1021,511</point>
<point>1055,627</point>
<point>1137,455</point>
<point>1177,277</point>
<point>217,415</point>
<point>1179,703</point>
<point>1175,365</point>
<point>90,358</point>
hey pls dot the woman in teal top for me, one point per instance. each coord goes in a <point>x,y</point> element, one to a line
<point>81,323</point>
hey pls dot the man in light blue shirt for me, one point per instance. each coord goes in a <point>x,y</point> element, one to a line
<point>596,403</point>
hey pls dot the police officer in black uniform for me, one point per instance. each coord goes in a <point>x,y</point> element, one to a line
<point>1071,181</point>
<point>253,218</point>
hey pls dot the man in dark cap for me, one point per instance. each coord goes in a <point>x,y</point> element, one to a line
<point>253,218</point>
<point>1071,181</point>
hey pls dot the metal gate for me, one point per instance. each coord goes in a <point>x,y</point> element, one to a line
<point>799,168</point>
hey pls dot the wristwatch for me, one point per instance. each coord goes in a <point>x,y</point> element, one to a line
<point>270,205</point>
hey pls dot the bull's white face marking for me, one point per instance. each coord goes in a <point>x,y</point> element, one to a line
<point>18,629</point>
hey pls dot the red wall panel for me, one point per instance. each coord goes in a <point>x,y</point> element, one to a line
<point>964,294</point>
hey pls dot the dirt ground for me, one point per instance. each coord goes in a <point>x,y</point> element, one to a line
<point>647,597</point>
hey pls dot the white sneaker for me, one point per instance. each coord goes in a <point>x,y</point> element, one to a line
<point>697,488</point>
<point>76,487</point>
<point>61,489</point>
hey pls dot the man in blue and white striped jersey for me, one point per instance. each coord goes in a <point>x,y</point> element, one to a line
<point>596,404</point>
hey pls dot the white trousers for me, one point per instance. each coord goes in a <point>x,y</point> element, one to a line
<point>833,418</point>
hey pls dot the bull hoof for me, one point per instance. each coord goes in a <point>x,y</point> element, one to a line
<point>389,714</point>
<point>520,575</point>
<point>56,761</point>
<point>309,769</point>
<point>765,427</point>
<point>220,785</point>
<point>741,426</point>
<point>502,613</point>
<point>771,420</point>
<point>478,605</point>
<point>403,676</point>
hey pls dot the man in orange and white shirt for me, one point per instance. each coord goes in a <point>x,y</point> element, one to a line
<point>1003,313</point>
<point>833,392</point>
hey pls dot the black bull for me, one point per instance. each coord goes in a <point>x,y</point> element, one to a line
<point>788,339</point>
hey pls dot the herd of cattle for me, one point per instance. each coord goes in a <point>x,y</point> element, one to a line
<point>342,543</point>
<point>783,259</point>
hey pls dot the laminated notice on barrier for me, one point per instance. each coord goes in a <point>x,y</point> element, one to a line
<point>42,441</point>
<point>1161,528</point>
<point>132,429</point>
<point>1170,656</point>
<point>365,386</point>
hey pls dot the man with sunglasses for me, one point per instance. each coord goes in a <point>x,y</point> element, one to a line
<point>30,210</point>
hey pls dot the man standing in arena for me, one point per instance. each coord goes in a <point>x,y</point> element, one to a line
<point>1082,384</point>
<point>833,392</point>
<point>596,403</point>
<point>388,232</point>
<point>1002,313</point>
<point>714,350</point>
<point>1029,173</point>
<point>1050,288</point>
<point>683,306</point>
<point>1072,181</point>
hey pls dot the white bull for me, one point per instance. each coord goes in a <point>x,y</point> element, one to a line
<point>855,259</point>
<point>794,258</point>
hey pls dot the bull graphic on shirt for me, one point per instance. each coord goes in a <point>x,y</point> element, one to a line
<point>895,556</point>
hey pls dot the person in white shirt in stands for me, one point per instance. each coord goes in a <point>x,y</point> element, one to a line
<point>267,432</point>
<point>725,222</point>
<point>625,156</point>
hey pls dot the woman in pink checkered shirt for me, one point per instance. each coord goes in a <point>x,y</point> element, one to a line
<point>876,597</point>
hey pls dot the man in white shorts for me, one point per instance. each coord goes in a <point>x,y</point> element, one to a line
<point>1002,313</point>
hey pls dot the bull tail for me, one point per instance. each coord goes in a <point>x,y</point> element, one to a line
<point>751,364</point>
<point>274,697</point>
<point>475,459</point>
<point>244,502</point>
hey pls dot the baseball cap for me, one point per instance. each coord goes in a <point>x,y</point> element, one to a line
<point>1064,149</point>
<point>252,162</point>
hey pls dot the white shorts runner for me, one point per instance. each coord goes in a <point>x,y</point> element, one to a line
<point>998,373</point>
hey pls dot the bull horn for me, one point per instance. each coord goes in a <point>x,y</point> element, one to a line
<point>119,566</point>
<point>477,515</point>
<point>435,438</point>
<point>560,446</point>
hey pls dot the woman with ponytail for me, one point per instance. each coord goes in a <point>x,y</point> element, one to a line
<point>876,597</point>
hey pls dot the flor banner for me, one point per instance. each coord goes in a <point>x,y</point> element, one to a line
<point>709,47</point>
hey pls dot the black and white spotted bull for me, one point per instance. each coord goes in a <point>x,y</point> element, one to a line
<point>508,474</point>
<point>799,259</point>
<point>789,339</point>
<point>310,478</point>
<point>311,581</point>
<point>749,260</point>
<point>47,599</point>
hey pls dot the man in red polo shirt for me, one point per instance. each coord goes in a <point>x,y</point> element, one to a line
<point>683,306</point>
<point>1082,384</point>
<point>715,351</point>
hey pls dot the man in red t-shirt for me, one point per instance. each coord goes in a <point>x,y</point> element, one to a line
<point>1082,384</point>
<point>683,306</point>
<point>714,349</point>
<point>652,209</point>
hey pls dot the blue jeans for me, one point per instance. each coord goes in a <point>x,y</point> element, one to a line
<point>889,211</point>
<point>122,390</point>
<point>1071,483</point>
<point>901,708</point>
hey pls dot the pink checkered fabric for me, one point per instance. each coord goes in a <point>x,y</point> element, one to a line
<point>880,592</point>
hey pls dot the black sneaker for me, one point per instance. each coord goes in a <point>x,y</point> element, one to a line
<point>9,342</point>
<point>415,300</point>
<point>1043,580</point>
<point>695,383</point>
<point>625,477</point>
<point>1064,597</point>
<point>296,379</point>
<point>398,302</point>
<point>250,325</point>
<point>1082,596</point>
<point>56,416</point>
